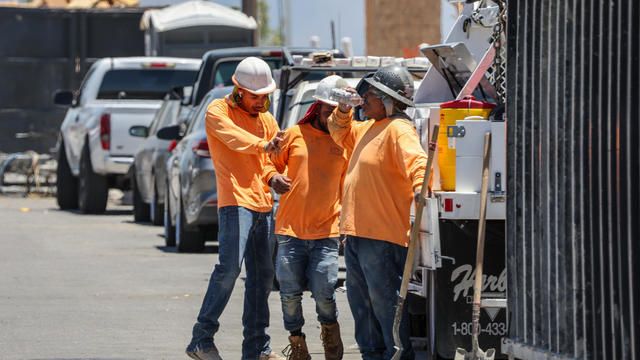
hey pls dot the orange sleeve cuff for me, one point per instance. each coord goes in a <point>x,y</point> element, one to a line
<point>261,144</point>
<point>267,177</point>
<point>342,119</point>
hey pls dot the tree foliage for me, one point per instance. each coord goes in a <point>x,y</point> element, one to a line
<point>267,35</point>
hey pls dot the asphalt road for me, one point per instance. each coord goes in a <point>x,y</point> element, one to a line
<point>102,287</point>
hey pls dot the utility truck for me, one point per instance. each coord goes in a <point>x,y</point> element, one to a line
<point>461,89</point>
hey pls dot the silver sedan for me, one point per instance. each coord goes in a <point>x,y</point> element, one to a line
<point>191,197</point>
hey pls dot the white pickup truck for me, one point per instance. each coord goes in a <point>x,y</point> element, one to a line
<point>106,122</point>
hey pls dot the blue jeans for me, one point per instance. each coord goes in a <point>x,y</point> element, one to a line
<point>242,234</point>
<point>374,274</point>
<point>311,264</point>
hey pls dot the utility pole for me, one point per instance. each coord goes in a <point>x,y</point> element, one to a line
<point>250,8</point>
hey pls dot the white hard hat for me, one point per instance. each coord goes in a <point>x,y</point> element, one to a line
<point>254,75</point>
<point>323,91</point>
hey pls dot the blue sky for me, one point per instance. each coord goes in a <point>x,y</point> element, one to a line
<point>313,17</point>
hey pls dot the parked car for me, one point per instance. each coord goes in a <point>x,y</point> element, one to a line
<point>149,170</point>
<point>191,197</point>
<point>117,98</point>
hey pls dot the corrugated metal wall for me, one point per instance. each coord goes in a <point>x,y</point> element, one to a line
<point>43,50</point>
<point>573,222</point>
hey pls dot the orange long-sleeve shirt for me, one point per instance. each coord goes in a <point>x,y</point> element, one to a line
<point>387,165</point>
<point>316,165</point>
<point>236,143</point>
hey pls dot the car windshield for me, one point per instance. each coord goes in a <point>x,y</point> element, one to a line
<point>147,84</point>
<point>303,105</point>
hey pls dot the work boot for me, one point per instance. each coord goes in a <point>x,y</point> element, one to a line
<point>271,356</point>
<point>332,342</point>
<point>297,349</point>
<point>211,354</point>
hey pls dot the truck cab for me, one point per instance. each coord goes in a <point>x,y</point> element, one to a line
<point>97,141</point>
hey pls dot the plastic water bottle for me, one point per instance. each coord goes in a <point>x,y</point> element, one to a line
<point>344,97</point>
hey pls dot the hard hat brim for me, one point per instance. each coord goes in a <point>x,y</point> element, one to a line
<point>326,101</point>
<point>265,90</point>
<point>384,88</point>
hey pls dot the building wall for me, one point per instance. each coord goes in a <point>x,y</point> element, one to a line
<point>397,27</point>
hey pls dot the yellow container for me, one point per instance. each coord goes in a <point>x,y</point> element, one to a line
<point>450,112</point>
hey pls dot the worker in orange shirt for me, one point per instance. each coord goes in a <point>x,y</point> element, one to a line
<point>241,133</point>
<point>385,172</point>
<point>307,222</point>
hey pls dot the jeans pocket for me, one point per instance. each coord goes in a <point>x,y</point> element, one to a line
<point>283,239</point>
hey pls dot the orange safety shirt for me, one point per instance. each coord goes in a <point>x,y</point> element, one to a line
<point>316,167</point>
<point>236,143</point>
<point>387,166</point>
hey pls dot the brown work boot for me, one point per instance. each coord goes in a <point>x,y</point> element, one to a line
<point>271,356</point>
<point>332,342</point>
<point>297,349</point>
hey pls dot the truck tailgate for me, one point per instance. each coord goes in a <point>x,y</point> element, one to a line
<point>123,117</point>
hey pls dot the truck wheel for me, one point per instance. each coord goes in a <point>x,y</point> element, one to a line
<point>169,230</point>
<point>140,208</point>
<point>92,188</point>
<point>156,209</point>
<point>186,240</point>
<point>66,183</point>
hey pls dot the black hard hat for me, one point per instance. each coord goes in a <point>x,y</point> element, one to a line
<point>363,85</point>
<point>395,81</point>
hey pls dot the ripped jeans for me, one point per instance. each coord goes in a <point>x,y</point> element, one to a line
<point>311,264</point>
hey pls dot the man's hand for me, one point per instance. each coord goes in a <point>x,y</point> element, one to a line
<point>280,183</point>
<point>345,108</point>
<point>273,146</point>
<point>416,197</point>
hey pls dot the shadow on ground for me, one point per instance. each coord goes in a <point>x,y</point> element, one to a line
<point>113,212</point>
<point>208,249</point>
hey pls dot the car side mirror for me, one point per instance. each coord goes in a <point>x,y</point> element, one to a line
<point>139,131</point>
<point>169,133</point>
<point>63,97</point>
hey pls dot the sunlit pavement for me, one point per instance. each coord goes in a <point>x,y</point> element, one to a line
<point>102,287</point>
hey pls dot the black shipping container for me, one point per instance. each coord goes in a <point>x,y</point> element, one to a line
<point>43,50</point>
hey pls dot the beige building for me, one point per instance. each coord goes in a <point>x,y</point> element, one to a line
<point>397,27</point>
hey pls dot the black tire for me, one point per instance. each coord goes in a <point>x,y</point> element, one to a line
<point>140,208</point>
<point>66,183</point>
<point>156,210</point>
<point>169,230</point>
<point>93,188</point>
<point>187,240</point>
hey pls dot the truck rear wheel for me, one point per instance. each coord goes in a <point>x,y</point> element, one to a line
<point>93,188</point>
<point>66,183</point>
<point>140,208</point>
